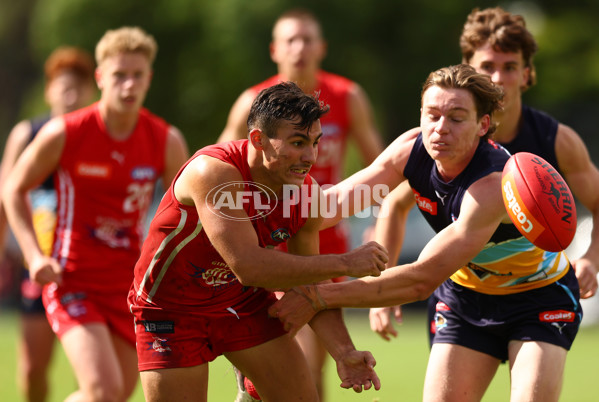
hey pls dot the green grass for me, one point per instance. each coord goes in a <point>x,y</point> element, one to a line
<point>401,364</point>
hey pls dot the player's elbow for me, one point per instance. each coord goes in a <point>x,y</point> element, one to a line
<point>422,290</point>
<point>247,280</point>
<point>245,273</point>
<point>8,192</point>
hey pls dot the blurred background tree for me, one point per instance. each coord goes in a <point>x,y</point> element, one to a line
<point>209,51</point>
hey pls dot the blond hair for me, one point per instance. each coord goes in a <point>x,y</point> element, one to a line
<point>126,40</point>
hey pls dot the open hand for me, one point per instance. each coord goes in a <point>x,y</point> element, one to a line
<point>356,371</point>
<point>380,321</point>
<point>586,272</point>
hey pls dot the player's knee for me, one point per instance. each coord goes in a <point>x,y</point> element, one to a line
<point>105,392</point>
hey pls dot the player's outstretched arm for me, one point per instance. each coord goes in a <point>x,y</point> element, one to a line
<point>481,212</point>
<point>369,186</point>
<point>233,236</point>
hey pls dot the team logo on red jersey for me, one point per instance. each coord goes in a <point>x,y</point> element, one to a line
<point>281,234</point>
<point>425,204</point>
<point>557,315</point>
<point>91,169</point>
<point>143,173</point>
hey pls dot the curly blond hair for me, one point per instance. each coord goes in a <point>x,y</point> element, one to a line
<point>126,40</point>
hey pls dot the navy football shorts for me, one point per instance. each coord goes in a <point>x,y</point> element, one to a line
<point>487,323</point>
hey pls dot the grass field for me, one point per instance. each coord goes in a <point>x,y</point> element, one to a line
<point>401,366</point>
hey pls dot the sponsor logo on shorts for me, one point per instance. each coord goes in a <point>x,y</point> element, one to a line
<point>557,316</point>
<point>440,321</point>
<point>76,310</point>
<point>159,327</point>
<point>441,306</point>
<point>71,297</point>
<point>159,345</point>
<point>559,326</point>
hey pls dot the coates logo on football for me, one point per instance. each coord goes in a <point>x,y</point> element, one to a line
<point>557,315</point>
<point>255,198</point>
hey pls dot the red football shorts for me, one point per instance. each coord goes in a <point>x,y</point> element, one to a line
<point>168,339</point>
<point>67,308</point>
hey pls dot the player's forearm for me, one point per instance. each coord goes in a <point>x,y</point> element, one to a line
<point>395,286</point>
<point>331,329</point>
<point>275,269</point>
<point>592,252</point>
<point>19,217</point>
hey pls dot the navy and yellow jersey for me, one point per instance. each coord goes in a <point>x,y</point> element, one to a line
<point>36,125</point>
<point>509,263</point>
<point>43,199</point>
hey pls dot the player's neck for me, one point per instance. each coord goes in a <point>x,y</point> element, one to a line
<point>508,124</point>
<point>118,125</point>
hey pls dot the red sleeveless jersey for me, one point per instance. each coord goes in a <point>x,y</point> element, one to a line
<point>180,270</point>
<point>332,147</point>
<point>104,189</point>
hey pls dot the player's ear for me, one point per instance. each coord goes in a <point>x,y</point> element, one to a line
<point>324,47</point>
<point>526,73</point>
<point>256,138</point>
<point>98,77</point>
<point>485,123</point>
<point>271,50</point>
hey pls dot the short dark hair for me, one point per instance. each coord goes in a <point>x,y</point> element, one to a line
<point>284,101</point>
<point>487,96</point>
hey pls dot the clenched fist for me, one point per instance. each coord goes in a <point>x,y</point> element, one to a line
<point>369,259</point>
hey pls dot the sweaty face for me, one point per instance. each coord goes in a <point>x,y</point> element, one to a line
<point>290,155</point>
<point>124,80</point>
<point>297,47</point>
<point>67,92</point>
<point>505,69</point>
<point>450,128</point>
